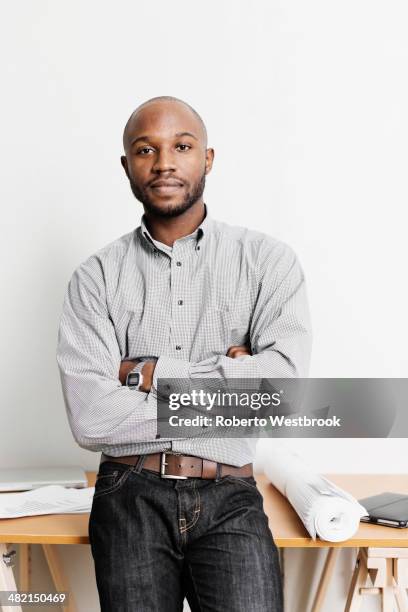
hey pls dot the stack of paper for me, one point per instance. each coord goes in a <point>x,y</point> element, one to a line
<point>53,499</point>
<point>324,508</point>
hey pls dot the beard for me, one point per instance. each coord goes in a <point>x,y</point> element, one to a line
<point>172,210</point>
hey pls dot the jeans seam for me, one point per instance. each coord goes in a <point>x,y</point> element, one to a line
<point>194,586</point>
<point>116,486</point>
<point>112,474</point>
<point>244,482</point>
<point>197,510</point>
<point>181,519</point>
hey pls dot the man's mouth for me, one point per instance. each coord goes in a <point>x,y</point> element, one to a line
<point>166,187</point>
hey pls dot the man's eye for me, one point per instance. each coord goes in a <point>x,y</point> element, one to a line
<point>143,151</point>
<point>184,147</point>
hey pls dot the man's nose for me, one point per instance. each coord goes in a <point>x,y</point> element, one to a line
<point>164,161</point>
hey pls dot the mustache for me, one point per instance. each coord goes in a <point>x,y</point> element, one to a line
<point>170,180</point>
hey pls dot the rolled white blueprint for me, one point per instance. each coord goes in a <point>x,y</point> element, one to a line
<point>324,508</point>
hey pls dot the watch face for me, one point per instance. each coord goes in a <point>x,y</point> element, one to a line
<point>133,379</point>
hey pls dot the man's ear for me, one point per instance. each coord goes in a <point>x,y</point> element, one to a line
<point>209,158</point>
<point>123,161</point>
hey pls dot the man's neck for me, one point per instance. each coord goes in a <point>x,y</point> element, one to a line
<point>169,230</point>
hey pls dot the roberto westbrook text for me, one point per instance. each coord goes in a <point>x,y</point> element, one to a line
<point>234,421</point>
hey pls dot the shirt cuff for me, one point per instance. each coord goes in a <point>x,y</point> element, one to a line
<point>171,368</point>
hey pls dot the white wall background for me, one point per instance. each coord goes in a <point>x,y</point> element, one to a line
<point>304,104</point>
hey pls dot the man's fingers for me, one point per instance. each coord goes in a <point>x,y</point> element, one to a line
<point>235,348</point>
<point>240,353</point>
<point>237,351</point>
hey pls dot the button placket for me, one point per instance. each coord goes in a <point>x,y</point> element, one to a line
<point>182,261</point>
<point>177,288</point>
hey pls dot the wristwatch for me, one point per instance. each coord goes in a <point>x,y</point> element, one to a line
<point>134,379</point>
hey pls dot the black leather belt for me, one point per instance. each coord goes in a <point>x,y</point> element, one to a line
<point>173,465</point>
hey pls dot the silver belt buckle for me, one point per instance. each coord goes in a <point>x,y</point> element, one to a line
<point>163,468</point>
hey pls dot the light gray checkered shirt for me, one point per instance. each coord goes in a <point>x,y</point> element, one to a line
<point>220,286</point>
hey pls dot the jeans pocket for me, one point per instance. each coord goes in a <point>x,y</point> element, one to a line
<point>110,478</point>
<point>248,481</point>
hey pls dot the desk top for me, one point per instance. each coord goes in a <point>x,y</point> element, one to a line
<point>286,527</point>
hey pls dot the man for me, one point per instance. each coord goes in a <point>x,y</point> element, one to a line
<point>181,297</point>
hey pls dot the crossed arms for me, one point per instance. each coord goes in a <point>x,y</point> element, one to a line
<point>148,369</point>
<point>102,411</point>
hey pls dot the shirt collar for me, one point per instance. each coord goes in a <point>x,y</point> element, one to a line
<point>196,237</point>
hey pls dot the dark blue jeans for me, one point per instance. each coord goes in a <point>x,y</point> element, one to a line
<point>156,541</point>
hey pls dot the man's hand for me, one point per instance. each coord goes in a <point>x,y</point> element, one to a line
<point>147,371</point>
<point>238,351</point>
<point>125,368</point>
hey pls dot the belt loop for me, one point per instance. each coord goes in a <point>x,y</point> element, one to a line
<point>139,464</point>
<point>218,472</point>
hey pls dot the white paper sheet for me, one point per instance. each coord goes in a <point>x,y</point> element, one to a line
<point>52,499</point>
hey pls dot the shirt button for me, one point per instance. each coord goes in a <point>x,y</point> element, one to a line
<point>178,347</point>
<point>198,248</point>
<point>178,263</point>
<point>180,302</point>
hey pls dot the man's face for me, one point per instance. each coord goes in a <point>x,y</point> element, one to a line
<point>166,160</point>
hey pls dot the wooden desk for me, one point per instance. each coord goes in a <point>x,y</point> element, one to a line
<point>289,532</point>
<point>382,551</point>
<point>376,544</point>
<point>46,530</point>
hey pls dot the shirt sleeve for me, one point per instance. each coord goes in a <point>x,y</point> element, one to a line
<point>100,410</point>
<point>280,332</point>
